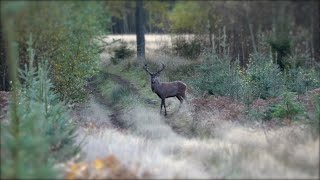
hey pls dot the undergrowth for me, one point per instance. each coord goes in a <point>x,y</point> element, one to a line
<point>39,132</point>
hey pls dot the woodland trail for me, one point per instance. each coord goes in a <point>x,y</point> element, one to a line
<point>169,147</point>
<point>117,111</point>
<point>92,87</point>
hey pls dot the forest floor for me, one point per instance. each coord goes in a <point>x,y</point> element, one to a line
<point>126,137</point>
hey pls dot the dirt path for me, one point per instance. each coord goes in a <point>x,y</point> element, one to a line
<point>121,81</point>
<point>116,111</point>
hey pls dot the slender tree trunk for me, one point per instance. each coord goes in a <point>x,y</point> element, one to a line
<point>4,80</point>
<point>140,30</point>
<point>316,30</point>
<point>210,30</point>
<point>125,23</point>
<point>150,27</point>
<point>210,36</point>
<point>252,38</point>
<point>219,41</point>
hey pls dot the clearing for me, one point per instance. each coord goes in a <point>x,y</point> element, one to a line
<point>125,134</point>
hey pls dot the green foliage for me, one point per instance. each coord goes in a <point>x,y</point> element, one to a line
<point>121,53</point>
<point>281,42</point>
<point>281,47</point>
<point>288,108</point>
<point>188,49</point>
<point>64,35</point>
<point>183,20</point>
<point>24,149</point>
<point>218,76</point>
<point>175,73</point>
<point>158,13</point>
<point>301,80</point>
<point>118,93</point>
<point>39,132</point>
<point>262,78</point>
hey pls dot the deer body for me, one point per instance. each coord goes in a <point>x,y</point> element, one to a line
<point>167,89</point>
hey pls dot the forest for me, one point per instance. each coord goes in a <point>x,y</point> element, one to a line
<point>160,89</point>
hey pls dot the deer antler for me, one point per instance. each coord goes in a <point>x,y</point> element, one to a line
<point>146,69</point>
<point>163,66</point>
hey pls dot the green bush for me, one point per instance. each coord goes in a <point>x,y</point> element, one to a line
<point>121,53</point>
<point>189,49</point>
<point>39,132</point>
<point>64,35</point>
<point>262,78</point>
<point>281,48</point>
<point>301,80</point>
<point>181,72</point>
<point>222,76</point>
<point>218,76</point>
<point>281,42</point>
<point>288,108</point>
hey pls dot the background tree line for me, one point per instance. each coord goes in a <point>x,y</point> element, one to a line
<point>242,26</point>
<point>233,28</point>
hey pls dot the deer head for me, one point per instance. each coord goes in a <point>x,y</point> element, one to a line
<point>154,76</point>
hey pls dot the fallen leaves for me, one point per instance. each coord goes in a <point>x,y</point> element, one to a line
<point>105,168</point>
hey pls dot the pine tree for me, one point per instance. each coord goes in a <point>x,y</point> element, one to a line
<point>39,132</point>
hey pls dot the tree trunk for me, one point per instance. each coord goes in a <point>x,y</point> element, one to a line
<point>140,30</point>
<point>125,23</point>
<point>210,31</point>
<point>4,74</point>
<point>316,30</point>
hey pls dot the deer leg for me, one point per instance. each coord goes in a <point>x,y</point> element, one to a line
<point>180,99</point>
<point>183,95</point>
<point>161,106</point>
<point>165,108</point>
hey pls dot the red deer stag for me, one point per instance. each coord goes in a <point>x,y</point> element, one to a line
<point>166,89</point>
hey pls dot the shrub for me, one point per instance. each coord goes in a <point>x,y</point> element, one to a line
<point>218,76</point>
<point>189,49</point>
<point>176,73</point>
<point>262,78</point>
<point>281,47</point>
<point>39,131</point>
<point>288,108</point>
<point>64,35</point>
<point>301,80</point>
<point>280,41</point>
<point>121,53</point>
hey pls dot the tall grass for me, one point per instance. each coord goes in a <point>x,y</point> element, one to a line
<point>236,151</point>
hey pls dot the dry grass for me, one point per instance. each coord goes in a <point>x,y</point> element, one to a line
<point>150,145</point>
<point>92,116</point>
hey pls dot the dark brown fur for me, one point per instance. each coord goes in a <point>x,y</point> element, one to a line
<point>167,89</point>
